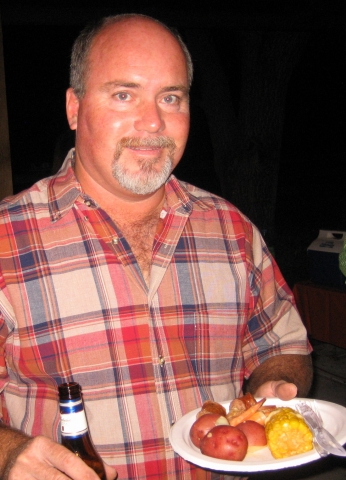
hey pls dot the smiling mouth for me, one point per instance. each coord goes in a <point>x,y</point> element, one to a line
<point>152,153</point>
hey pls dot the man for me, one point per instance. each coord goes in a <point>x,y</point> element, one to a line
<point>152,294</point>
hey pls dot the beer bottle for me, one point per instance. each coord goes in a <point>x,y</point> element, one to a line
<point>74,428</point>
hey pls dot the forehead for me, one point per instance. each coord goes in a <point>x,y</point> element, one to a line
<point>137,44</point>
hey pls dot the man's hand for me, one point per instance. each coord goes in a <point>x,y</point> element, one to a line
<point>277,388</point>
<point>282,376</point>
<point>42,459</point>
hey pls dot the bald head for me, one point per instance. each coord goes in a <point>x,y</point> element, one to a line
<point>125,23</point>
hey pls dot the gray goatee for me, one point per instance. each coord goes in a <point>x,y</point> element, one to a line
<point>148,180</point>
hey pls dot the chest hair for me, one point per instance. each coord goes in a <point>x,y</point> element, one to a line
<point>140,235</point>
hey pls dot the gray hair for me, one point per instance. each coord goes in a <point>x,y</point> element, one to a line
<point>82,46</point>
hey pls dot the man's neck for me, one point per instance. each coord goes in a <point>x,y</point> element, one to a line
<point>132,211</point>
<point>118,201</point>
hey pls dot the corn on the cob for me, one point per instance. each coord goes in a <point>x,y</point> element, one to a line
<point>287,433</point>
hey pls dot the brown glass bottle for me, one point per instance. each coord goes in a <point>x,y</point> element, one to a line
<point>74,428</point>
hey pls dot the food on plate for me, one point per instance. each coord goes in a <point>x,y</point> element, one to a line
<point>287,433</point>
<point>236,408</point>
<point>254,432</point>
<point>262,413</point>
<point>241,405</point>
<point>247,399</point>
<point>225,442</point>
<point>246,414</point>
<point>203,425</point>
<point>220,434</point>
<point>212,407</point>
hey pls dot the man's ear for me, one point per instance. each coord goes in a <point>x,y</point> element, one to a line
<point>72,107</point>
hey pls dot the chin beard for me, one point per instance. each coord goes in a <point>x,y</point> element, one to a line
<point>148,180</point>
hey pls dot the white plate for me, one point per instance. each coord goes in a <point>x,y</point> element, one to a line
<point>334,419</point>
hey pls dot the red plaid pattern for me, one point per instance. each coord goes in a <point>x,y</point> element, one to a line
<point>74,307</point>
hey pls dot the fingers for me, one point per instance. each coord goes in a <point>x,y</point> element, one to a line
<point>111,474</point>
<point>278,388</point>
<point>43,459</point>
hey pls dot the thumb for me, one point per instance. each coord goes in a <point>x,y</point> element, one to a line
<point>277,388</point>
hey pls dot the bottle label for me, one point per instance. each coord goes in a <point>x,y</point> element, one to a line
<point>73,423</point>
<point>73,419</point>
<point>71,406</point>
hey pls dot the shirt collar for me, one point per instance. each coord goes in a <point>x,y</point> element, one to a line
<point>183,197</point>
<point>63,189</point>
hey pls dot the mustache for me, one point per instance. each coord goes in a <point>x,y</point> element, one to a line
<point>159,141</point>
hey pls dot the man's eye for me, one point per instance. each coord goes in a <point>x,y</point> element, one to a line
<point>122,96</point>
<point>171,99</point>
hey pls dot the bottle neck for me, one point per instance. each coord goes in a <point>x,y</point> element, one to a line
<point>73,419</point>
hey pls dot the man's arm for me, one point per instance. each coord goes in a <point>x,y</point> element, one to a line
<point>282,376</point>
<point>40,458</point>
<point>12,442</point>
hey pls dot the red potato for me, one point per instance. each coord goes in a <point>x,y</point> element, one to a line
<point>225,442</point>
<point>203,424</point>
<point>254,432</point>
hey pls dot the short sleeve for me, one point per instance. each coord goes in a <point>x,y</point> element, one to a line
<point>274,326</point>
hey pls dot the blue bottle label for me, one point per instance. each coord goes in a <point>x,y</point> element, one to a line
<point>73,419</point>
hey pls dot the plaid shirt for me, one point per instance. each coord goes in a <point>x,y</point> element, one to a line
<point>75,307</point>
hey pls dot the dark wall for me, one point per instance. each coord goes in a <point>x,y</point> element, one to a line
<point>312,185</point>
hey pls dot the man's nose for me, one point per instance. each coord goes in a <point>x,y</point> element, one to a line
<point>149,118</point>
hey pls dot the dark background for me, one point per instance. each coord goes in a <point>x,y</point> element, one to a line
<point>37,39</point>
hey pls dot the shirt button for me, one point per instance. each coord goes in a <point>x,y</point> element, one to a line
<point>87,203</point>
<point>162,361</point>
<point>115,240</point>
